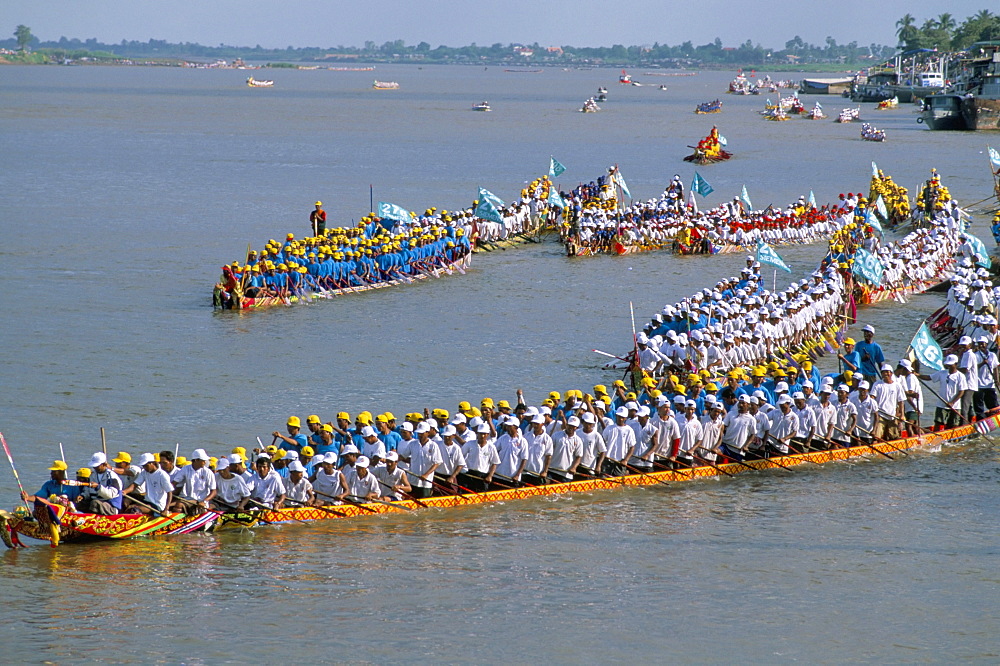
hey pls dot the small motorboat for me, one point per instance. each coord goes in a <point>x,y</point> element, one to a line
<point>257,83</point>
<point>890,103</point>
<point>385,85</point>
<point>714,106</point>
<point>482,106</point>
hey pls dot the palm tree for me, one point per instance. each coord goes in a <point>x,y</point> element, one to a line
<point>906,29</point>
<point>946,22</point>
<point>982,15</point>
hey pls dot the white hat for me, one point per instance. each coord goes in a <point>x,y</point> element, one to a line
<point>222,463</point>
<point>588,417</point>
<point>296,466</point>
<point>330,459</point>
<point>291,455</point>
<point>368,431</point>
<point>422,427</point>
<point>808,383</point>
<point>448,431</point>
<point>199,454</point>
<point>799,395</point>
<point>844,387</point>
<point>869,329</point>
<point>950,359</point>
<point>483,428</point>
<point>622,412</point>
<point>781,386</point>
<point>826,388</point>
<point>361,462</point>
<point>538,418</point>
<point>863,385</point>
<point>965,340</point>
<point>754,400</point>
<point>632,404</point>
<point>349,448</point>
<point>457,418</point>
<point>147,458</point>
<point>392,455</point>
<point>643,411</point>
<point>886,367</point>
<point>785,400</point>
<point>235,458</point>
<point>98,459</point>
<point>573,421</point>
<point>474,422</point>
<point>407,426</point>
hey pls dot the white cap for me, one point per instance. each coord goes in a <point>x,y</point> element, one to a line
<point>965,340</point>
<point>950,359</point>
<point>844,387</point>
<point>296,466</point>
<point>98,459</point>
<point>781,386</point>
<point>483,428</point>
<point>448,431</point>
<point>235,458</point>
<point>361,462</point>
<point>368,431</point>
<point>573,421</point>
<point>349,448</point>
<point>199,454</point>
<point>643,411</point>
<point>422,427</point>
<point>538,418</point>
<point>785,400</point>
<point>392,455</point>
<point>863,385</point>
<point>407,426</point>
<point>622,412</point>
<point>588,417</point>
<point>291,455</point>
<point>330,458</point>
<point>221,463</point>
<point>869,329</point>
<point>457,418</point>
<point>147,458</point>
<point>808,383</point>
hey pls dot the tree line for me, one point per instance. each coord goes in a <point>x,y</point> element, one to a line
<point>944,33</point>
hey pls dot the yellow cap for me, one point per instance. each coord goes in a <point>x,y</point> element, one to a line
<point>463,406</point>
<point>487,402</point>
<point>121,457</point>
<point>308,451</point>
<point>619,383</point>
<point>294,421</point>
<point>343,415</point>
<point>240,450</point>
<point>212,461</point>
<point>555,395</point>
<point>849,341</point>
<point>84,472</point>
<point>327,427</point>
<point>272,449</point>
<point>312,418</point>
<point>390,416</point>
<point>319,203</point>
<point>181,461</point>
<point>58,466</point>
<point>600,388</point>
<point>381,418</point>
<point>279,454</point>
<point>503,403</point>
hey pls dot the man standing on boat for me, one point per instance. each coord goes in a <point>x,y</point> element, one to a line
<point>317,219</point>
<point>871,354</point>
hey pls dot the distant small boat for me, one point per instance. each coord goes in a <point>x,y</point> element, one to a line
<point>523,71</point>
<point>871,133</point>
<point>624,78</point>
<point>482,106</point>
<point>715,106</point>
<point>590,106</point>
<point>385,85</point>
<point>816,113</point>
<point>255,83</point>
<point>891,103</point>
<point>849,115</point>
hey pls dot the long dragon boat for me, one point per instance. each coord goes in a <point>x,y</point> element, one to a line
<point>75,527</point>
<point>308,295</point>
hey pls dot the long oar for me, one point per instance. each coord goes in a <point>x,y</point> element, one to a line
<point>347,499</point>
<point>769,459</point>
<point>10,459</point>
<point>324,509</point>
<point>405,495</point>
<point>265,507</point>
<point>104,443</point>
<point>361,500</point>
<point>712,465</point>
<point>865,443</point>
<point>639,471</point>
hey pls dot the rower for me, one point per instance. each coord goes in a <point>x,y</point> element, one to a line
<point>56,485</point>
<point>195,485</point>
<point>481,459</point>
<point>452,460</point>
<point>295,440</point>
<point>620,441</point>
<point>392,478</point>
<point>232,491</point>
<point>317,219</point>
<point>373,447</point>
<point>328,482</point>
<point>297,487</point>
<point>567,451</point>
<point>424,458</point>
<point>363,484</point>
<point>512,448</point>
<point>539,451</point>
<point>267,488</point>
<point>108,486</point>
<point>158,489</point>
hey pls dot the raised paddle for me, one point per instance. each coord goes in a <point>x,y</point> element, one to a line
<point>17,478</point>
<point>104,443</point>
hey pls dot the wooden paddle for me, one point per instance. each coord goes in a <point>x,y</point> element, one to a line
<point>358,501</point>
<point>324,509</point>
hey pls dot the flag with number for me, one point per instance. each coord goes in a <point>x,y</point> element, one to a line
<point>390,211</point>
<point>487,211</point>
<point>982,254</point>
<point>492,198</point>
<point>555,168</point>
<point>873,222</point>
<point>926,349</point>
<point>700,185</point>
<point>745,198</point>
<point>994,157</point>
<point>868,266</point>
<point>767,255</point>
<point>620,181</point>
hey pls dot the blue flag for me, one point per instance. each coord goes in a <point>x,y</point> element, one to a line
<point>555,168</point>
<point>745,198</point>
<point>620,181</point>
<point>492,198</point>
<point>874,169</point>
<point>767,255</point>
<point>926,349</point>
<point>812,199</point>
<point>701,186</point>
<point>487,211</point>
<point>881,209</point>
<point>982,254</point>
<point>994,157</point>
<point>873,221</point>
<point>390,211</point>
<point>868,266</point>
<point>555,199</point>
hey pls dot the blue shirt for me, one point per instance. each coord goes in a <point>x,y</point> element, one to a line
<point>870,365</point>
<point>52,487</point>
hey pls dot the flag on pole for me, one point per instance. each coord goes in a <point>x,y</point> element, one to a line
<point>390,211</point>
<point>881,209</point>
<point>982,254</point>
<point>692,203</point>
<point>926,349</point>
<point>767,255</point>
<point>874,169</point>
<point>745,198</point>
<point>555,199</point>
<point>555,168</point>
<point>868,266</point>
<point>994,157</point>
<point>620,181</point>
<point>723,141</point>
<point>487,211</point>
<point>492,198</point>
<point>872,221</point>
<point>700,185</point>
<point>812,199</point>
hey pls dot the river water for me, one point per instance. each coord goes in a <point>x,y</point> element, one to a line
<point>125,189</point>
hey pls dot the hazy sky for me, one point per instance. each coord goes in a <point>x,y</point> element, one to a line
<point>325,23</point>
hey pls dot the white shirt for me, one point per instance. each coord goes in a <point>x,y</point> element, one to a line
<point>451,458</point>
<point>480,458</point>
<point>691,433</point>
<point>422,458</point>
<point>948,387</point>
<point>593,446</point>
<point>539,447</point>
<point>194,483</point>
<point>565,449</point>
<point>364,487</point>
<point>232,490</point>
<point>266,490</point>
<point>620,439</point>
<point>511,450</point>
<point>298,492</point>
<point>327,485</point>
<point>157,485</point>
